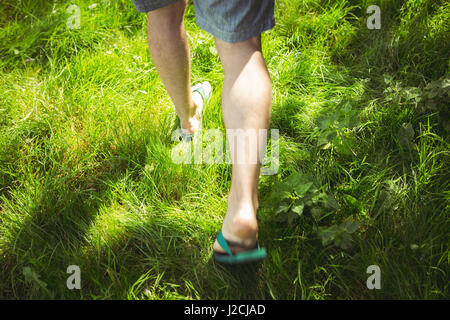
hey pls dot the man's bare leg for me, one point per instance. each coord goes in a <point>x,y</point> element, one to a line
<point>169,49</point>
<point>246,100</point>
<point>246,103</point>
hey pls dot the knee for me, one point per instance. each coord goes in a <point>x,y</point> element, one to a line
<point>250,45</point>
<point>237,54</point>
<point>167,21</point>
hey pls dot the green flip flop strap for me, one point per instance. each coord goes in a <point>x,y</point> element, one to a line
<point>223,243</point>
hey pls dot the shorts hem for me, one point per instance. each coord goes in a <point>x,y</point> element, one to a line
<point>147,7</point>
<point>236,36</point>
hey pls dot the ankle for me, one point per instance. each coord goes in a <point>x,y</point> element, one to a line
<point>255,202</point>
<point>238,202</point>
<point>189,122</point>
<point>241,225</point>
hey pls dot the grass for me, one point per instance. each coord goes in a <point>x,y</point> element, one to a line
<point>86,176</point>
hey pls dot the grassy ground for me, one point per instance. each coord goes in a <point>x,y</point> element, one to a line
<point>86,176</point>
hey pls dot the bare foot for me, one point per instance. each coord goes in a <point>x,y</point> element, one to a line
<point>192,124</point>
<point>240,229</point>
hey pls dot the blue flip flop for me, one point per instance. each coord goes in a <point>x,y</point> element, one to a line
<point>251,255</point>
<point>205,91</point>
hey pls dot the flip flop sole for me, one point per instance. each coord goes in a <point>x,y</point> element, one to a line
<point>242,257</point>
<point>250,255</point>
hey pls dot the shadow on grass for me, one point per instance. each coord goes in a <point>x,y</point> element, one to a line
<point>51,235</point>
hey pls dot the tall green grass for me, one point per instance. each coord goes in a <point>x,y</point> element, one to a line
<point>86,176</point>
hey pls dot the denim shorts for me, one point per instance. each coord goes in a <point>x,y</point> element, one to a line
<point>228,20</point>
